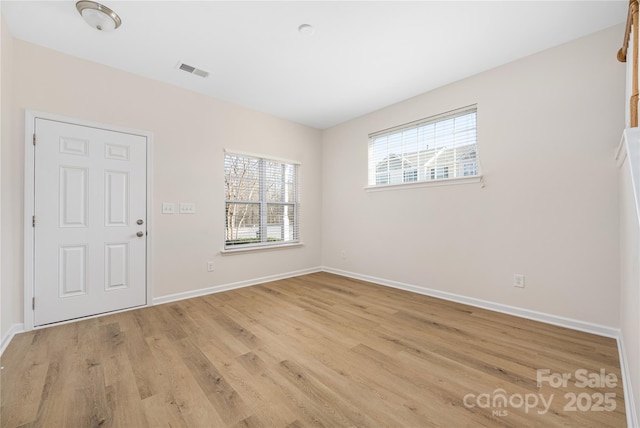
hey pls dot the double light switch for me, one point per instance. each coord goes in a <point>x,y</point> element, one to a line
<point>184,207</point>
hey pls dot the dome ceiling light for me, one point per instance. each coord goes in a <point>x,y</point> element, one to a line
<point>98,16</point>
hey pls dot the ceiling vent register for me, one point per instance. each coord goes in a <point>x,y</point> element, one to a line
<point>192,70</point>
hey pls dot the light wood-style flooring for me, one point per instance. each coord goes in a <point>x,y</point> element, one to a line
<point>315,350</point>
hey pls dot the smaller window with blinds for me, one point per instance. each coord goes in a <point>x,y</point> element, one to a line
<point>437,148</point>
<point>261,201</point>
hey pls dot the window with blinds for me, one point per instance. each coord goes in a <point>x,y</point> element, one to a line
<point>261,201</point>
<point>436,148</point>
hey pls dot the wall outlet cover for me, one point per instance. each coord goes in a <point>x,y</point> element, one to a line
<point>518,280</point>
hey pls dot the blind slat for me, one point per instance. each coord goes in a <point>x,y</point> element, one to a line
<point>440,147</point>
<point>261,201</point>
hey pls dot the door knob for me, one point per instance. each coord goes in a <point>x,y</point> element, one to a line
<point>140,221</point>
<point>140,234</point>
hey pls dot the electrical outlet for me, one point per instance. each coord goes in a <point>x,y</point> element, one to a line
<point>210,267</point>
<point>518,280</point>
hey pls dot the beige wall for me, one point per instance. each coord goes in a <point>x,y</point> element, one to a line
<point>8,264</point>
<point>630,278</point>
<point>547,127</point>
<point>190,133</point>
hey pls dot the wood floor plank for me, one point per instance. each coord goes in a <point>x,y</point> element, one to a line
<point>183,391</point>
<point>315,350</point>
<point>22,378</point>
<point>217,389</point>
<point>161,412</point>
<point>65,360</point>
<point>89,381</point>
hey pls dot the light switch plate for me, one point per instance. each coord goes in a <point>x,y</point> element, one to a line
<point>168,208</point>
<point>187,208</point>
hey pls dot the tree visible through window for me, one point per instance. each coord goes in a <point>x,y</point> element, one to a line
<point>436,148</point>
<point>261,201</point>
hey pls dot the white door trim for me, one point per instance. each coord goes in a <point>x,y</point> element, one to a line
<point>29,196</point>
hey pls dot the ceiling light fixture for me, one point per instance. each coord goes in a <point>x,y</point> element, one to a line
<point>98,16</point>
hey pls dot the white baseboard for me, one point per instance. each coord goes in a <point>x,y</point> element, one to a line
<point>231,286</point>
<point>573,324</point>
<point>629,402</point>
<point>6,339</point>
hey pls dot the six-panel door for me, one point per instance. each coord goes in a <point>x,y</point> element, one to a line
<point>90,207</point>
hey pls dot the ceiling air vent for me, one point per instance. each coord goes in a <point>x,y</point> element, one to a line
<point>192,70</point>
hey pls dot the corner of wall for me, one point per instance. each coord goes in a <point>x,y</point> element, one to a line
<point>6,51</point>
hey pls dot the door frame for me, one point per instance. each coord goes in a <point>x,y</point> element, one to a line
<point>29,206</point>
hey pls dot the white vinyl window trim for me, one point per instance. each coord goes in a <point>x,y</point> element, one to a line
<point>262,209</point>
<point>437,150</point>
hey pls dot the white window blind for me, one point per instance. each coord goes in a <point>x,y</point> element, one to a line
<point>436,148</point>
<point>261,201</point>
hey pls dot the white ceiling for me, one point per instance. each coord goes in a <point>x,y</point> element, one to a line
<point>364,55</point>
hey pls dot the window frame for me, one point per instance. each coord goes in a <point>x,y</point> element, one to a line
<point>264,203</point>
<point>456,169</point>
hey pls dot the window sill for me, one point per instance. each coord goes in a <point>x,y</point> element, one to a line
<point>430,183</point>
<point>229,251</point>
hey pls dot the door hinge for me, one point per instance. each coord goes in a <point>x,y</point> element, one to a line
<point>33,303</point>
<point>34,139</point>
<point>33,221</point>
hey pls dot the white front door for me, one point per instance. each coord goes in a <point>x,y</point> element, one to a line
<point>90,221</point>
